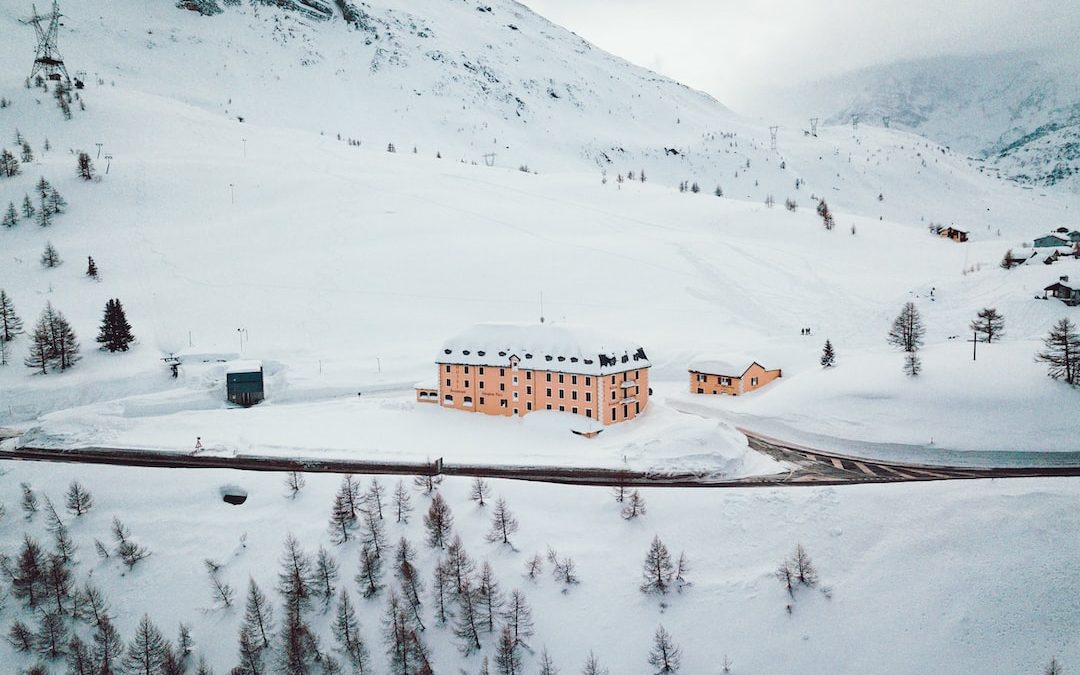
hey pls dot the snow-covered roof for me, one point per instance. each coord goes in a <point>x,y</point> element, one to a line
<point>729,365</point>
<point>426,384</point>
<point>554,347</point>
<point>243,366</point>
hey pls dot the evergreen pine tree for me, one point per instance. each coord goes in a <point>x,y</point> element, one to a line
<point>828,356</point>
<point>49,257</point>
<point>91,267</point>
<point>85,167</point>
<point>27,153</point>
<point>28,209</point>
<point>115,332</point>
<point>657,572</point>
<point>11,216</point>
<point>40,347</point>
<point>56,203</point>
<point>42,187</point>
<point>146,651</point>
<point>10,324</point>
<point>258,615</point>
<point>665,657</point>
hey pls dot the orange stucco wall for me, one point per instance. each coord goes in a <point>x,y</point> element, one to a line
<point>754,378</point>
<point>508,390</point>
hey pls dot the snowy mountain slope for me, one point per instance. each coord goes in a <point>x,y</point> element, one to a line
<point>1016,110</point>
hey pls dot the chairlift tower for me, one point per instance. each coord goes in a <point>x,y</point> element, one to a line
<point>813,126</point>
<point>47,57</point>
<point>772,137</point>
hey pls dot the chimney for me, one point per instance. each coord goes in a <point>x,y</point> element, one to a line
<point>1064,278</point>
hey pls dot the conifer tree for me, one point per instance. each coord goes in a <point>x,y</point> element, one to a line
<point>91,268</point>
<point>828,355</point>
<point>326,575</point>
<point>10,323</point>
<point>1062,352</point>
<point>108,648</point>
<point>346,631</point>
<point>507,654</point>
<point>115,332</point>
<point>295,578</point>
<point>912,364</point>
<point>40,347</point>
<point>593,667</point>
<point>479,491</point>
<point>258,616</point>
<point>55,202</point>
<point>9,164</point>
<point>42,187</point>
<point>989,324</point>
<point>665,657</point>
<point>657,571</point>
<point>503,523</point>
<point>826,215</point>
<point>341,519</point>
<point>51,635</point>
<point>49,257</point>
<point>79,500</point>
<point>402,503</point>
<point>438,522</point>
<point>146,651</point>
<point>28,209</point>
<point>466,621</point>
<point>517,616</point>
<point>27,153</point>
<point>11,216</point>
<point>85,167</point>
<point>489,599</point>
<point>547,666</point>
<point>369,578</point>
<point>634,506</point>
<point>907,331</point>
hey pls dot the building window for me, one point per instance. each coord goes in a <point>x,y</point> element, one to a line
<point>562,408</point>
<point>448,399</point>
<point>466,370</point>
<point>548,377</point>
<point>516,411</point>
<point>573,410</point>
<point>573,394</point>
<point>515,379</point>
<point>726,381</point>
<point>560,378</point>
<point>753,381</point>
<point>481,370</point>
<point>502,386</point>
<point>515,396</point>
<point>448,381</point>
<point>528,405</point>
<point>562,393</point>
<point>528,390</point>
<point>448,369</point>
<point>481,400</point>
<point>502,403</point>
<point>637,408</point>
<point>549,406</point>
<point>466,384</point>
<point>573,379</point>
<point>481,384</point>
<point>613,396</point>
<point>549,392</point>
<point>467,402</point>
<point>588,412</point>
<point>528,374</point>
<point>613,379</point>
<point>700,390</point>
<point>502,371</point>
<point>614,415</point>
<point>700,377</point>
<point>625,410</point>
<point>588,396</point>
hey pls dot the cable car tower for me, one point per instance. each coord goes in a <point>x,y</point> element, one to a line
<point>47,58</point>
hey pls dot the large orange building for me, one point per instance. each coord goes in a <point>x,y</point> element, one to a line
<point>515,369</point>
<point>715,376</point>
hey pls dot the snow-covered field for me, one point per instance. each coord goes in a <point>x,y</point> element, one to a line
<point>947,577</point>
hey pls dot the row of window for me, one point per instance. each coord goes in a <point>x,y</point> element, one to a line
<point>720,379</point>
<point>467,402</point>
<point>573,378</point>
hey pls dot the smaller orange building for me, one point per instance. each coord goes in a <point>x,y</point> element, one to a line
<point>714,376</point>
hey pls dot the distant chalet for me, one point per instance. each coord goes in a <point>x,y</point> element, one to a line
<point>514,369</point>
<point>727,376</point>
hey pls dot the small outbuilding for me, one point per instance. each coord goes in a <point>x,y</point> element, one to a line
<point>954,234</point>
<point>1064,291</point>
<point>244,382</point>
<point>722,376</point>
<point>427,392</point>
<point>1050,240</point>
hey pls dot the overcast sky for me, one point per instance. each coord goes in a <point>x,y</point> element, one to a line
<point>734,48</point>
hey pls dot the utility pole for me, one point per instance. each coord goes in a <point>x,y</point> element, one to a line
<point>242,333</point>
<point>974,345</point>
<point>232,194</point>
